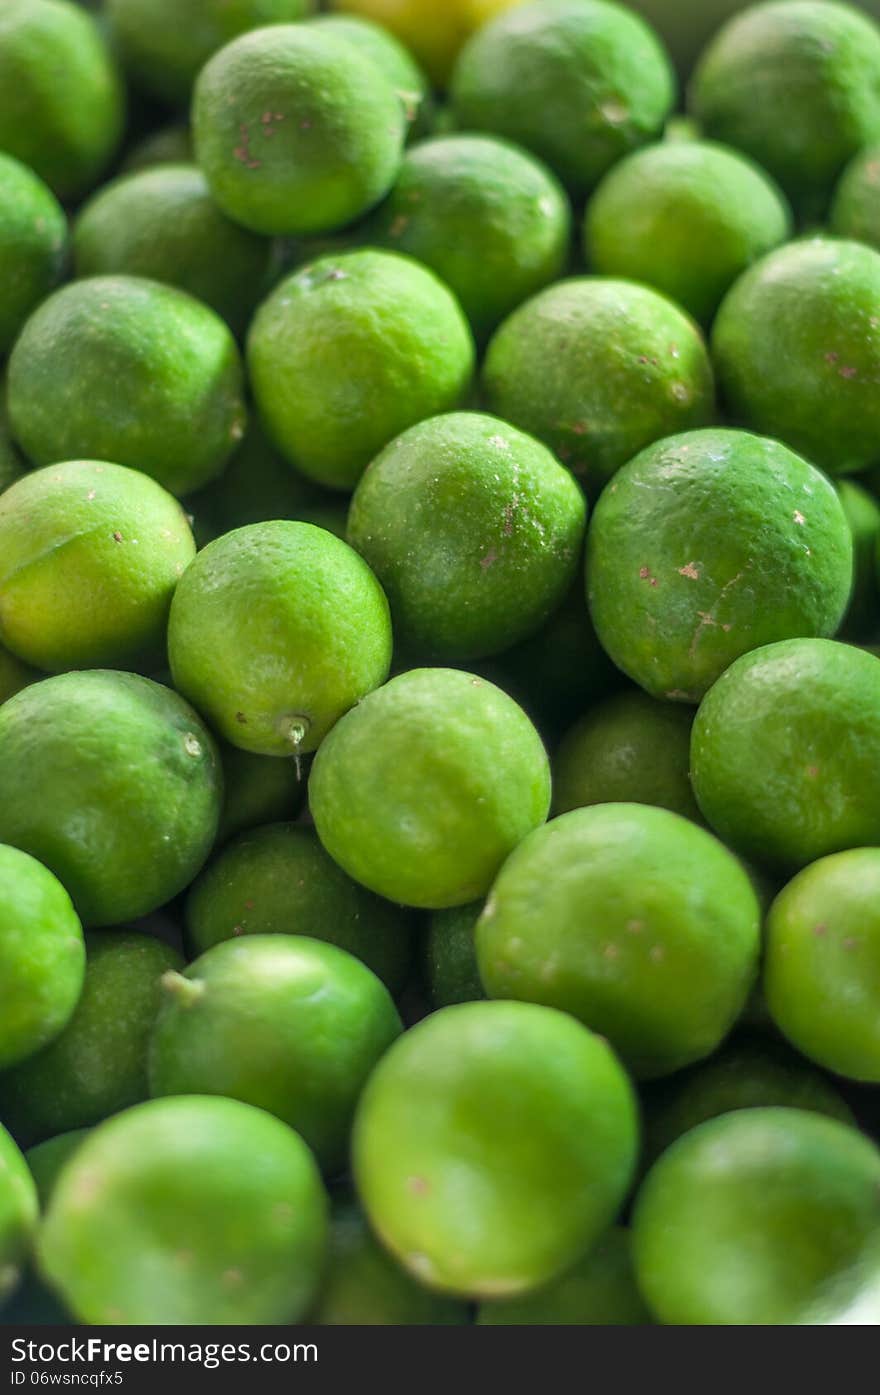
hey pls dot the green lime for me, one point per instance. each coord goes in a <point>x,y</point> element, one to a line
<point>494,1142</point>
<point>749,1073</point>
<point>140,373</point>
<point>297,131</point>
<point>14,675</point>
<point>257,790</point>
<point>42,958</point>
<point>351,350</point>
<point>168,145</point>
<point>433,29</point>
<point>490,220</point>
<point>163,224</point>
<point>164,43</point>
<point>19,1209</point>
<point>449,956</point>
<point>276,630</point>
<point>90,554</point>
<point>633,919</point>
<point>187,1211</point>
<point>686,217</point>
<point>364,1287</point>
<point>748,1218</point>
<point>120,789</point>
<point>33,245</point>
<point>707,545</point>
<point>63,103</point>
<point>578,82</point>
<point>394,60</point>
<point>474,530</point>
<point>423,790</point>
<point>863,516</point>
<point>46,1160</point>
<point>822,963</point>
<point>629,749</point>
<point>783,752</point>
<point>98,1064</point>
<point>795,85</point>
<point>556,673</point>
<point>600,1291</point>
<point>278,880</point>
<point>258,486</point>
<point>11,464</point>
<point>855,209</point>
<point>796,346</point>
<point>289,1024</point>
<point>599,369</point>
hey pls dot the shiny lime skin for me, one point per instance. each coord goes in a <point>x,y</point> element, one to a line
<point>278,880</point>
<point>796,86</point>
<point>489,219</point>
<point>394,61</point>
<point>46,1160</point>
<point>164,43</point>
<point>783,751</point>
<point>749,1217</point>
<point>707,545</point>
<point>796,346</point>
<point>855,208</point>
<point>98,1064</point>
<point>351,350</point>
<point>493,1144</point>
<point>19,1209</point>
<point>822,963</point>
<point>123,789</point>
<point>634,920</point>
<point>289,1024</point>
<point>90,554</point>
<point>686,217</point>
<point>600,1291</point>
<point>750,1072</point>
<point>863,516</point>
<point>257,790</point>
<point>163,224</point>
<point>474,531</point>
<point>187,1211</point>
<point>629,749</point>
<point>364,1286</point>
<point>33,244</point>
<point>578,82</point>
<point>42,956</point>
<point>63,102</point>
<point>449,956</point>
<point>598,369</point>
<point>423,790</point>
<point>312,636</point>
<point>296,131</point>
<point>141,374</point>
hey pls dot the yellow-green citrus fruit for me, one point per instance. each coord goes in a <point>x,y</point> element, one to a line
<point>351,350</point>
<point>493,1144</point>
<point>225,1185</point>
<point>598,369</point>
<point>19,1211</point>
<point>707,545</point>
<point>783,750</point>
<point>578,82</point>
<point>90,554</point>
<point>433,29</point>
<point>296,131</point>
<point>139,373</point>
<point>276,630</point>
<point>634,920</point>
<point>423,789</point>
<point>474,530</point>
<point>123,789</point>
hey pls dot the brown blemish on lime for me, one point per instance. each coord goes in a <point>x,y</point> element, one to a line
<point>689,570</point>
